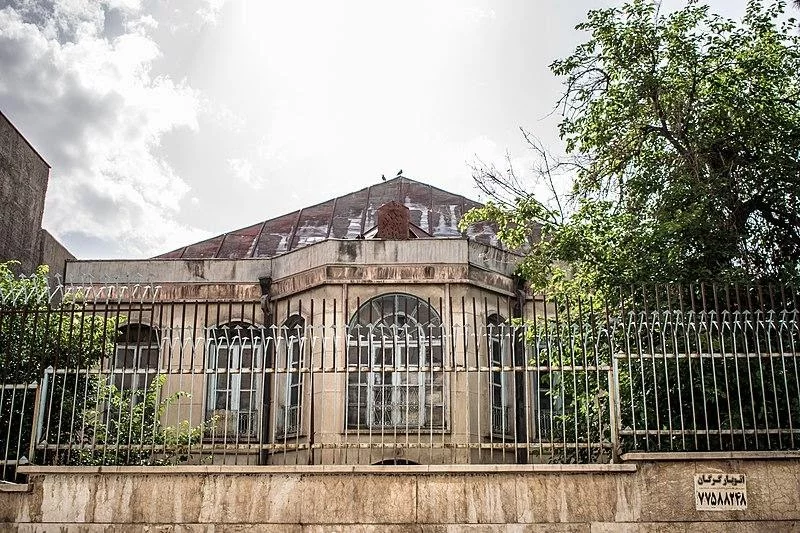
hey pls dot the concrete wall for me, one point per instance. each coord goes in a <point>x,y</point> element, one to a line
<point>23,184</point>
<point>52,253</point>
<point>580,498</point>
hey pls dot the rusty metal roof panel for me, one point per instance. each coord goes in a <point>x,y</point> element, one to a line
<point>174,254</point>
<point>348,215</point>
<point>417,197</point>
<point>203,250</point>
<point>433,210</point>
<point>276,235</point>
<point>240,243</point>
<point>313,224</point>
<point>446,211</point>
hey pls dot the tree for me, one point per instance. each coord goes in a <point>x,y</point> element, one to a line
<point>38,331</point>
<point>683,138</point>
<point>682,133</point>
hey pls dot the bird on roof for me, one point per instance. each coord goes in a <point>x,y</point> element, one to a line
<point>399,172</point>
<point>383,177</point>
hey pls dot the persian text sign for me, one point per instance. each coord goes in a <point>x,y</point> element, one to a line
<point>720,492</point>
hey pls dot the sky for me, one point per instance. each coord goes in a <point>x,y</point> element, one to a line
<point>166,122</point>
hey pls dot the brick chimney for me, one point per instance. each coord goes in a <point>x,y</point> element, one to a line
<point>393,222</point>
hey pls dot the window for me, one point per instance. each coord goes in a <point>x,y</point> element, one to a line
<point>547,391</point>
<point>234,357</point>
<point>394,356</point>
<point>550,406</point>
<point>135,363</point>
<point>290,351</point>
<point>498,339</point>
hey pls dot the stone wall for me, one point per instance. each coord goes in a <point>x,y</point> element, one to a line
<point>23,184</point>
<point>648,496</point>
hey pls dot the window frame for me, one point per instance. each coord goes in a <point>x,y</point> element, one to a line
<point>292,353</point>
<point>368,345</point>
<point>235,346</point>
<point>141,375</point>
<point>498,339</point>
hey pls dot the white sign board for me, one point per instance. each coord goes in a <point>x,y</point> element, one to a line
<point>720,492</point>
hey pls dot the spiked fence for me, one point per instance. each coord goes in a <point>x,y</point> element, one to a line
<point>116,375</point>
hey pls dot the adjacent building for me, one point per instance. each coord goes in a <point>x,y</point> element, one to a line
<point>23,185</point>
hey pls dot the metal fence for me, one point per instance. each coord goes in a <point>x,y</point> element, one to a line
<point>122,377</point>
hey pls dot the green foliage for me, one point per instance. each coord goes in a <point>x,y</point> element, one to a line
<point>684,136</point>
<point>126,428</point>
<point>36,333</point>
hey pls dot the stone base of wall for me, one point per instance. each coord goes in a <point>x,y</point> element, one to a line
<point>656,496</point>
<point>600,527</point>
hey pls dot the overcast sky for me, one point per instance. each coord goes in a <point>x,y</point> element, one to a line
<point>166,122</point>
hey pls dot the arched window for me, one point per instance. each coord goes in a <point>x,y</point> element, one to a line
<point>234,357</point>
<point>135,361</point>
<point>290,351</point>
<point>498,341</point>
<point>394,356</point>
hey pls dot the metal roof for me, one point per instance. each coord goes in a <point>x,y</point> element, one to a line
<point>347,217</point>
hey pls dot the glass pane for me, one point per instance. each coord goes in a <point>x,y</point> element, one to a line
<point>352,354</point>
<point>247,357</point>
<point>222,357</point>
<point>357,377</point>
<point>497,395</point>
<point>413,355</point>
<point>496,352</point>
<point>497,378</point>
<point>357,394</point>
<point>356,415</point>
<point>149,357</point>
<point>296,355</point>
<point>437,418</point>
<point>244,400</point>
<point>379,378</point>
<point>222,400</point>
<point>126,357</point>
<point>384,356</point>
<point>408,378</point>
<point>435,354</point>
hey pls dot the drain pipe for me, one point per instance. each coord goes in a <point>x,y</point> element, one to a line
<point>265,283</point>
<point>520,362</point>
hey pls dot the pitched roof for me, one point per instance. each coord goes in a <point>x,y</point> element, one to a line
<point>347,217</point>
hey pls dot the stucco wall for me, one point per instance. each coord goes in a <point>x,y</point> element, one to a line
<point>656,496</point>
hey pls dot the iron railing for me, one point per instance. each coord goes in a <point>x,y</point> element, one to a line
<point>98,377</point>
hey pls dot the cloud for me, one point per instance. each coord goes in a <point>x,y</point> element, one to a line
<point>242,169</point>
<point>91,104</point>
<point>208,11</point>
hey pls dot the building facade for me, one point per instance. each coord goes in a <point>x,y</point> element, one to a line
<point>311,337</point>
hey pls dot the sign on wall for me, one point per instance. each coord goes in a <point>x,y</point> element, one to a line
<point>720,492</point>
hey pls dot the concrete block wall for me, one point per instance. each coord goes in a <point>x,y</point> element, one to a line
<point>654,496</point>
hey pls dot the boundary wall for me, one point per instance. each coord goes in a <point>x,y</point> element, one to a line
<point>631,497</point>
